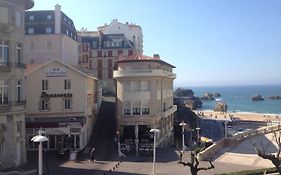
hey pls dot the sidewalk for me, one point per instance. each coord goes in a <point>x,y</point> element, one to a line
<point>166,164</point>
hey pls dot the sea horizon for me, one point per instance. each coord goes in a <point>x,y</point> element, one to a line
<point>238,98</point>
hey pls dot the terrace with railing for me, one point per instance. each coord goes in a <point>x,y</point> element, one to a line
<point>235,140</point>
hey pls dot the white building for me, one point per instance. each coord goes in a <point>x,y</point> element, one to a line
<point>63,101</point>
<point>132,32</point>
<point>144,100</point>
<point>12,83</point>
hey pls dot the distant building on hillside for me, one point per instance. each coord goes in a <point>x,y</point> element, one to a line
<point>50,34</point>
<point>144,100</point>
<point>12,83</point>
<point>131,31</point>
<point>100,49</point>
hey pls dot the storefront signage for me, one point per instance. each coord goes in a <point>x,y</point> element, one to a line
<point>56,72</point>
<point>75,130</point>
<point>70,124</point>
<point>45,95</point>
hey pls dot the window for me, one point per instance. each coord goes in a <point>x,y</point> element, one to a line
<point>31,45</point>
<point>18,54</point>
<point>145,86</point>
<point>67,84</point>
<point>130,52</point>
<point>4,52</point>
<point>135,85</point>
<point>1,142</point>
<point>44,84</point>
<point>30,30</point>
<point>67,104</point>
<point>66,32</point>
<point>49,45</point>
<point>99,53</point>
<point>136,108</point>
<point>85,47</point>
<point>94,44</point>
<point>49,16</point>
<point>48,30</point>
<point>109,53</point>
<point>18,19</point>
<point>18,91</point>
<point>4,15</point>
<point>3,92</point>
<point>19,127</point>
<point>120,52</point>
<point>45,104</point>
<point>145,108</point>
<point>31,17</point>
<point>126,85</point>
<point>127,108</point>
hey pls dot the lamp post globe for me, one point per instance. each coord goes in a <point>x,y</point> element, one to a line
<point>40,138</point>
<point>154,131</point>
<point>182,124</point>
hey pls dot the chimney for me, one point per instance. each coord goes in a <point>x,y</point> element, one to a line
<point>157,56</point>
<point>57,18</point>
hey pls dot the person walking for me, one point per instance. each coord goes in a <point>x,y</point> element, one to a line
<point>93,154</point>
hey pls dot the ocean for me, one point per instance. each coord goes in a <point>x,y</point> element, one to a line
<point>238,98</point>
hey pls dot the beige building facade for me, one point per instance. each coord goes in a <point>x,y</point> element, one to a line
<point>12,83</point>
<point>64,102</point>
<point>144,100</point>
<point>50,34</point>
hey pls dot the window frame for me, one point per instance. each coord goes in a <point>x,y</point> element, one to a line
<point>4,52</point>
<point>45,85</point>
<point>44,106</point>
<point>67,84</point>
<point>4,89</point>
<point>67,104</point>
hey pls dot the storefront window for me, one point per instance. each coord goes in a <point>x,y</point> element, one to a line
<point>52,141</point>
<point>77,141</point>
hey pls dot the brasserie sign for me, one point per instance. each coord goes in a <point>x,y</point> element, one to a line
<point>45,95</point>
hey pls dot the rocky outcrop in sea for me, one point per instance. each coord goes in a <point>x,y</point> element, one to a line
<point>207,96</point>
<point>277,97</point>
<point>257,98</point>
<point>185,97</point>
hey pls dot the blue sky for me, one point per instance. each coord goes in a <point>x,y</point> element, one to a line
<point>211,42</point>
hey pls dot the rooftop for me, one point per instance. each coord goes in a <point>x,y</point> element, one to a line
<point>29,4</point>
<point>141,57</point>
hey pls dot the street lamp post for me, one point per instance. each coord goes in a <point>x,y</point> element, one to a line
<point>39,138</point>
<point>118,143</point>
<point>225,129</point>
<point>154,131</point>
<point>182,124</point>
<point>198,129</point>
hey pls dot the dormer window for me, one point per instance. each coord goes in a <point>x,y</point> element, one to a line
<point>48,30</point>
<point>31,17</point>
<point>30,30</point>
<point>49,17</point>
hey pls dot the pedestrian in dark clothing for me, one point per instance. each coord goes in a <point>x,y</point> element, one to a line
<point>93,154</point>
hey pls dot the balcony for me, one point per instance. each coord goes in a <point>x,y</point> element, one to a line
<point>139,119</point>
<point>19,103</point>
<point>12,106</point>
<point>5,66</point>
<point>5,107</point>
<point>170,111</point>
<point>136,96</point>
<point>144,73</point>
<point>20,65</point>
